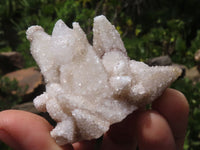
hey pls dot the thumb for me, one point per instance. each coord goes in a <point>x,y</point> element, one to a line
<point>25,131</point>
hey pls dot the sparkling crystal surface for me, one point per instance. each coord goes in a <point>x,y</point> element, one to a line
<point>90,87</point>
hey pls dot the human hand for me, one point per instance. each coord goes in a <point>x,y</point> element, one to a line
<point>163,127</point>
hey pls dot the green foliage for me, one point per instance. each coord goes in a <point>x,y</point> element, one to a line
<point>10,93</point>
<point>158,31</point>
<point>17,15</point>
<point>158,41</point>
<point>167,40</point>
<point>4,146</point>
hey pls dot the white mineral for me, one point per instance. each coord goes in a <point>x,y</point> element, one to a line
<point>88,88</point>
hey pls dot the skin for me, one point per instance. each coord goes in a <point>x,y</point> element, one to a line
<point>162,127</point>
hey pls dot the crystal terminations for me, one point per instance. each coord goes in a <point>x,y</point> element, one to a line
<point>90,87</point>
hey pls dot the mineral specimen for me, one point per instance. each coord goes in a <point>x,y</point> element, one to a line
<point>90,87</point>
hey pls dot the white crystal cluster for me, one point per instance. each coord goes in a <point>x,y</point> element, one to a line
<point>90,87</point>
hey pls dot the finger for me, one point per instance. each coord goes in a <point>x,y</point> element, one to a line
<point>174,107</point>
<point>85,145</point>
<point>153,132</point>
<point>25,131</point>
<point>121,135</point>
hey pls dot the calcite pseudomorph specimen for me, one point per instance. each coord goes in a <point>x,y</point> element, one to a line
<point>90,87</point>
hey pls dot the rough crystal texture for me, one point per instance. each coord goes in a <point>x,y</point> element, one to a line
<point>88,88</point>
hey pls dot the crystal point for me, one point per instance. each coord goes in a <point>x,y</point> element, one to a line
<point>90,87</point>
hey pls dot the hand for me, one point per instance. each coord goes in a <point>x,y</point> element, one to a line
<point>163,127</point>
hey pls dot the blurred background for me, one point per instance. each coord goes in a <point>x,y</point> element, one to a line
<point>157,32</point>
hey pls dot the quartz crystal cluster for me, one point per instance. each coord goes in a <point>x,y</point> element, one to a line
<point>89,87</point>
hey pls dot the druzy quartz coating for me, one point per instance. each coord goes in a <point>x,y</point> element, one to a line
<point>90,87</point>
